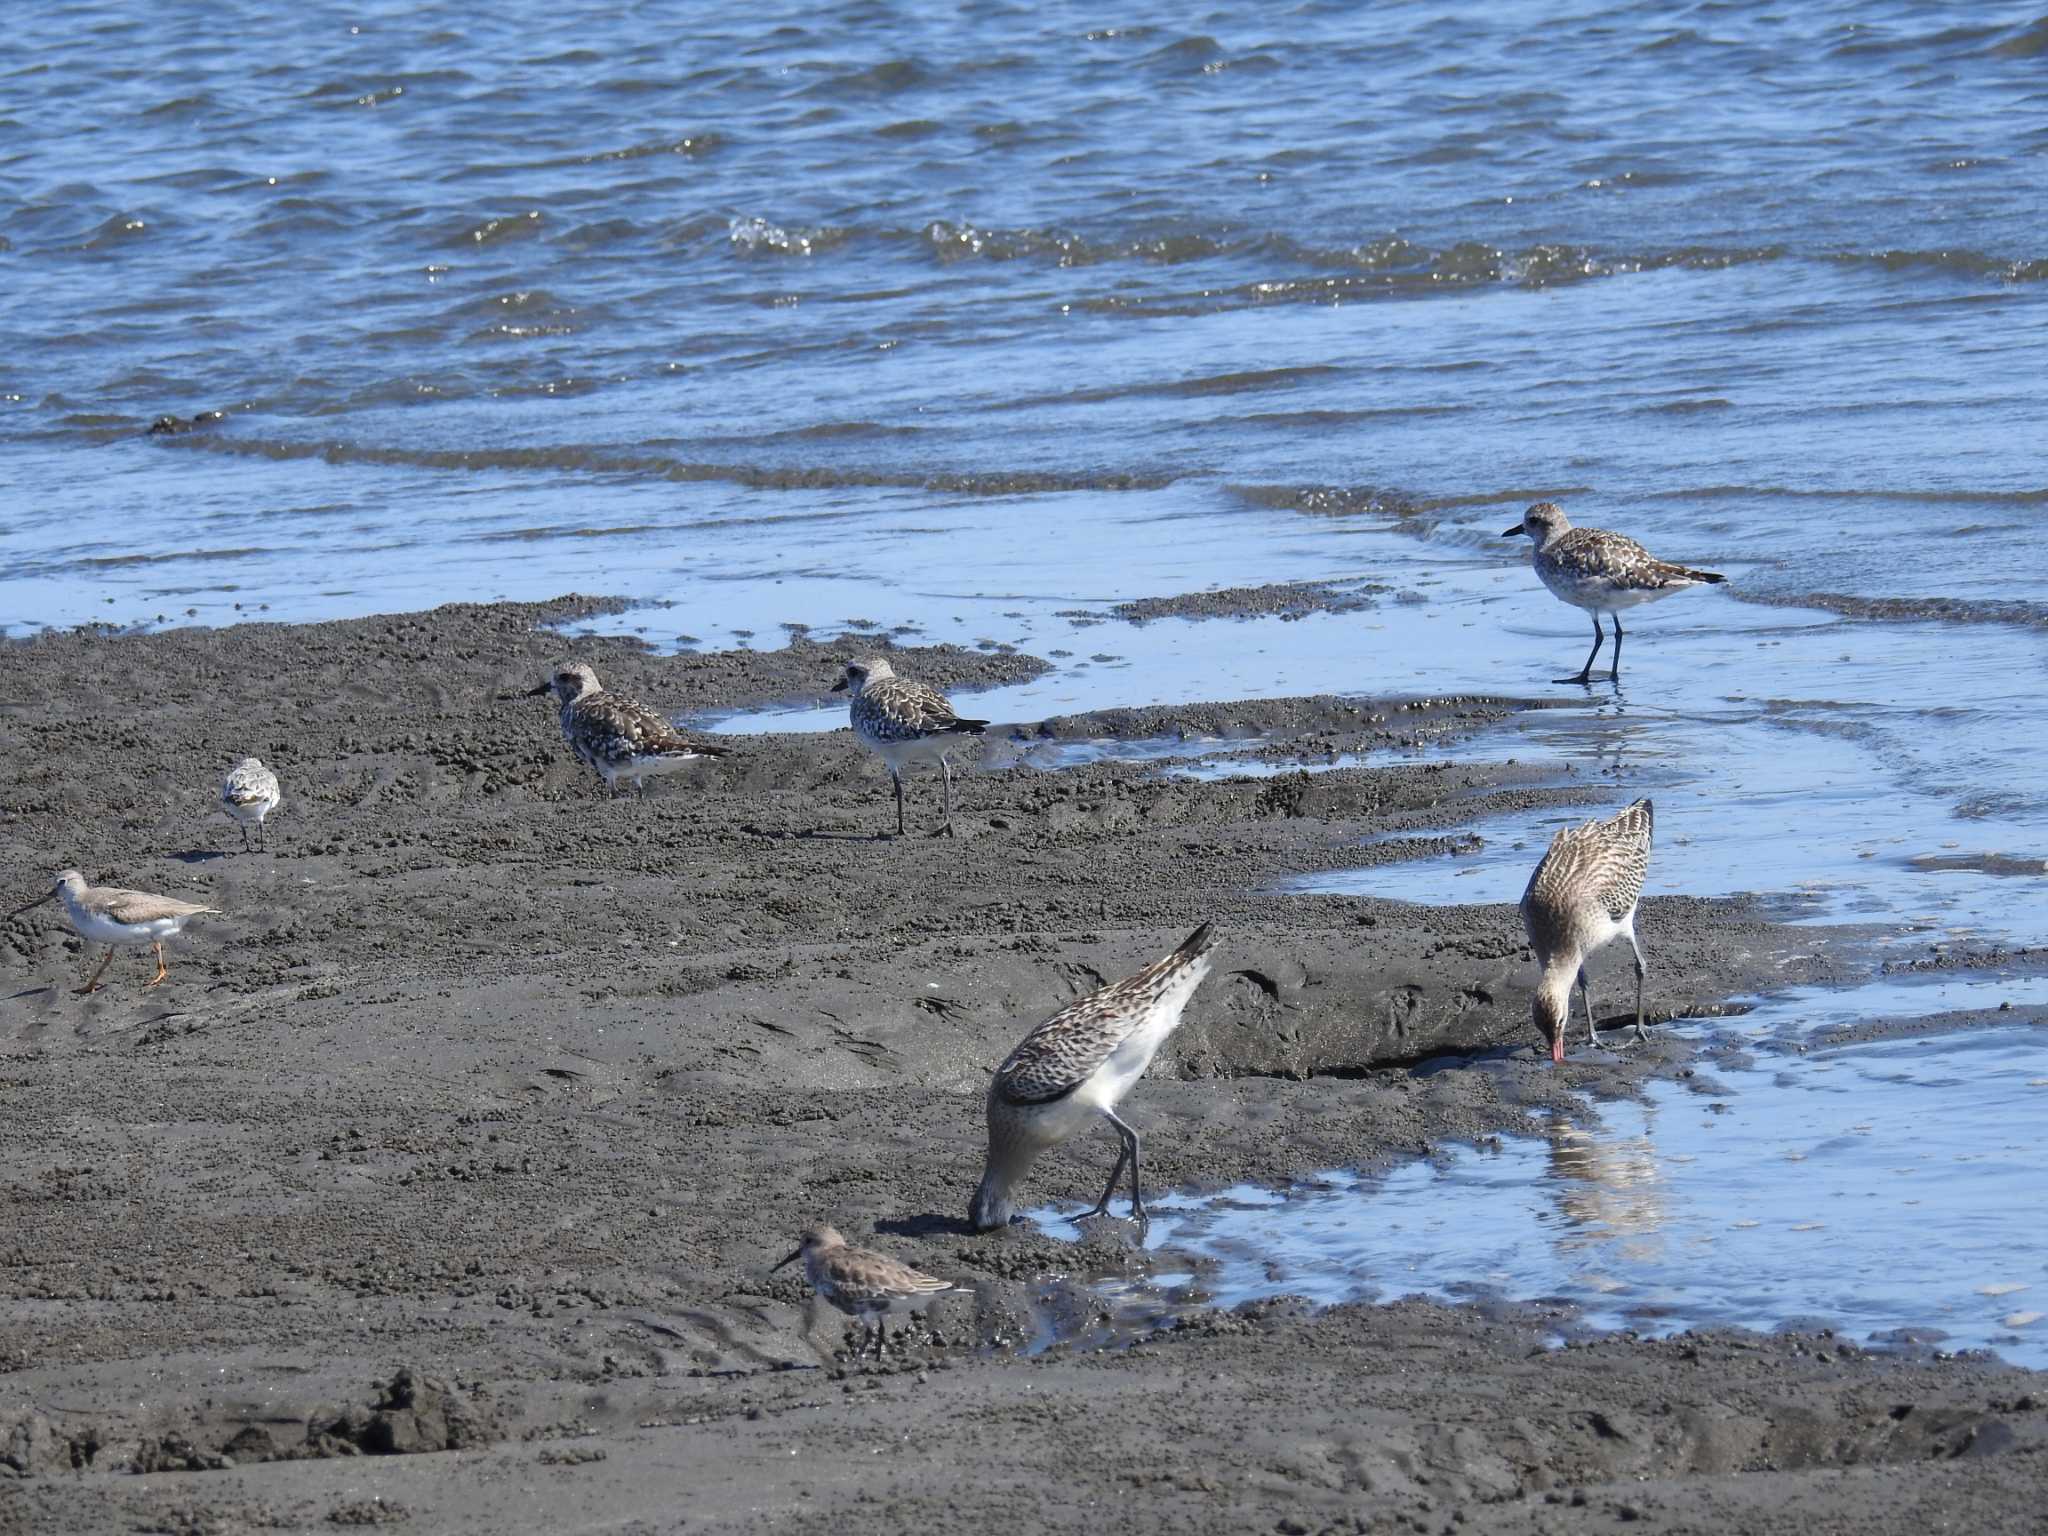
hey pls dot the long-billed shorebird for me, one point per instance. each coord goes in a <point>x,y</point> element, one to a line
<point>620,737</point>
<point>1582,897</point>
<point>1601,572</point>
<point>904,722</point>
<point>106,914</point>
<point>865,1285</point>
<point>249,794</point>
<point>1070,1072</point>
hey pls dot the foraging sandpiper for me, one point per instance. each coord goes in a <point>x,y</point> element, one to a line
<point>1074,1068</point>
<point>250,794</point>
<point>106,914</point>
<point>904,722</point>
<point>1583,896</point>
<point>1601,572</point>
<point>620,737</point>
<point>865,1285</point>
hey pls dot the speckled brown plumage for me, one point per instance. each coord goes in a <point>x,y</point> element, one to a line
<point>619,737</point>
<point>863,1284</point>
<point>1600,572</point>
<point>1071,1046</point>
<point>1582,896</point>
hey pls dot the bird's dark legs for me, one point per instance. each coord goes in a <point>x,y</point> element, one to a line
<point>262,838</point>
<point>1585,673</point>
<point>94,980</point>
<point>898,778</point>
<point>1642,970</point>
<point>945,829</point>
<point>1586,997</point>
<point>245,837</point>
<point>1129,1154</point>
<point>1614,669</point>
<point>1102,1206</point>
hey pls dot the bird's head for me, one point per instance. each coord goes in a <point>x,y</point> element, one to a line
<point>1542,523</point>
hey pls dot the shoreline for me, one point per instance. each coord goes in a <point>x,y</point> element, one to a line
<point>489,1077</point>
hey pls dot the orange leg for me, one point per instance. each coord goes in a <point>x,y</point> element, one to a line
<point>162,970</point>
<point>93,981</point>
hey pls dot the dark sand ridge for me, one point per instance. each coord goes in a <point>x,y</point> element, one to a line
<point>489,1077</point>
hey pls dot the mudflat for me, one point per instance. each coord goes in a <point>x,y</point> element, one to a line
<point>440,1184</point>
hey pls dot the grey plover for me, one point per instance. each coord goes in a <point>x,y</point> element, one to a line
<point>904,722</point>
<point>1601,572</point>
<point>619,737</point>
<point>106,914</point>
<point>250,794</point>
<point>1582,897</point>
<point>1071,1071</point>
<point>865,1285</point>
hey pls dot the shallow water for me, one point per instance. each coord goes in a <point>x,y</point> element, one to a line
<point>1888,1190</point>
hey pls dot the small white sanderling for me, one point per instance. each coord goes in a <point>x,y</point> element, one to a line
<point>250,794</point>
<point>106,914</point>
<point>1582,897</point>
<point>1601,572</point>
<point>865,1285</point>
<point>904,722</point>
<point>1074,1068</point>
<point>620,737</point>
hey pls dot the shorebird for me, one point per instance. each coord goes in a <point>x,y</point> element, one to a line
<point>1601,572</point>
<point>1582,897</point>
<point>865,1285</point>
<point>620,737</point>
<point>250,793</point>
<point>106,914</point>
<point>1074,1068</point>
<point>904,722</point>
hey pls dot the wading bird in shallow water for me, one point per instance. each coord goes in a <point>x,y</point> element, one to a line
<point>1601,572</point>
<point>904,722</point>
<point>106,914</point>
<point>620,737</point>
<point>249,794</point>
<point>1582,897</point>
<point>1068,1074</point>
<point>865,1285</point>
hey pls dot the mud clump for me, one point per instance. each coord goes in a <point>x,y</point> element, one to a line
<point>413,1415</point>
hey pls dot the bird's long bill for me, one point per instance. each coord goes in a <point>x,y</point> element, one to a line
<point>1557,1048</point>
<point>1512,532</point>
<point>534,693</point>
<point>46,896</point>
<point>790,1260</point>
<point>840,686</point>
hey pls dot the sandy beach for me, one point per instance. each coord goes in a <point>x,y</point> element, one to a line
<point>475,1124</point>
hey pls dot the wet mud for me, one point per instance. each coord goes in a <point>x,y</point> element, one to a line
<point>476,1122</point>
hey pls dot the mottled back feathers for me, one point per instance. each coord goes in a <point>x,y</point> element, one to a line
<point>609,729</point>
<point>1596,866</point>
<point>903,709</point>
<point>1067,1049</point>
<point>1593,554</point>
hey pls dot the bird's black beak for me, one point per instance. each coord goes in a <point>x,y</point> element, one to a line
<point>840,686</point>
<point>790,1260</point>
<point>1512,531</point>
<point>534,693</point>
<point>25,906</point>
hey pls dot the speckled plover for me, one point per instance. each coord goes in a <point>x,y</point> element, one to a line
<point>620,737</point>
<point>865,1285</point>
<point>1601,572</point>
<point>904,722</point>
<point>1069,1073</point>
<point>106,914</point>
<point>250,793</point>
<point>1583,896</point>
